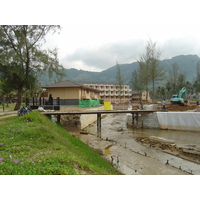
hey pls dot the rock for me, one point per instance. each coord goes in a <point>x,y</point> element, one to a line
<point>159,139</point>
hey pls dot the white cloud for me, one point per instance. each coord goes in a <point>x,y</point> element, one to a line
<point>180,46</point>
<point>104,56</point>
<point>98,58</point>
<point>96,34</point>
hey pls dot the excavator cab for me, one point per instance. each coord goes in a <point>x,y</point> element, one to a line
<point>177,99</point>
<point>175,96</point>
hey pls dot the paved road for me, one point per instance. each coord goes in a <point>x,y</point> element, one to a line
<point>7,114</point>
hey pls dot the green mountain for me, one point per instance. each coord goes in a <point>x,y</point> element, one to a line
<point>186,63</point>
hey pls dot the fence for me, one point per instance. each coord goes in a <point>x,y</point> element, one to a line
<point>54,104</point>
<point>48,104</point>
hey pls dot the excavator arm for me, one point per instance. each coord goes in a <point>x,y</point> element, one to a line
<point>181,92</point>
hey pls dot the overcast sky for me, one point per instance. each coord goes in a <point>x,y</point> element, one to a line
<point>97,33</point>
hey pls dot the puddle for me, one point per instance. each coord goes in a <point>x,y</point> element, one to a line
<point>107,151</point>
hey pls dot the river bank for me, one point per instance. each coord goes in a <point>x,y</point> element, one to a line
<point>123,148</point>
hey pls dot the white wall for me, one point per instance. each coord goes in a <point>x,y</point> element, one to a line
<point>79,121</point>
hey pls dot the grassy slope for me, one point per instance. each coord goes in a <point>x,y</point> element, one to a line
<point>32,144</point>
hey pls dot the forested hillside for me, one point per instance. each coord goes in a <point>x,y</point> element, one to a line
<point>186,63</point>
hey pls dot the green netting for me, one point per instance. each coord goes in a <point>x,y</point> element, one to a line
<point>88,103</point>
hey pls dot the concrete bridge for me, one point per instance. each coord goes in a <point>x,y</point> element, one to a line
<point>134,114</point>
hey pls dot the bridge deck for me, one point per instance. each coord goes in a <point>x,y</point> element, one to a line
<point>99,112</point>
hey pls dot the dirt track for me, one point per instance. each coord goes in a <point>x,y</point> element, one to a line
<point>179,108</point>
<point>8,114</point>
<point>173,149</point>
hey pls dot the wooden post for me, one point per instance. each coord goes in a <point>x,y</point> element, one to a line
<point>137,119</point>
<point>132,118</point>
<point>58,101</point>
<point>99,124</point>
<point>58,119</point>
<point>40,101</point>
<point>49,116</point>
<point>36,101</point>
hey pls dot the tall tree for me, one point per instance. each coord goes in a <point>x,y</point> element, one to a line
<point>149,66</point>
<point>21,55</point>
<point>173,77</point>
<point>119,80</point>
<point>156,72</point>
<point>197,80</point>
<point>137,84</point>
<point>176,79</point>
<point>161,92</point>
<point>6,91</point>
<point>136,81</point>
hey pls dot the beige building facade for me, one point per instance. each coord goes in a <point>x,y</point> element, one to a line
<point>70,92</point>
<point>112,92</point>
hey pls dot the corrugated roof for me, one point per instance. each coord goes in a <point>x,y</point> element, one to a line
<point>69,84</point>
<point>66,83</point>
<point>98,83</point>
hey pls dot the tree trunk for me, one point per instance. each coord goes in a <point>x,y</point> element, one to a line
<point>19,99</point>
<point>153,91</point>
<point>147,91</point>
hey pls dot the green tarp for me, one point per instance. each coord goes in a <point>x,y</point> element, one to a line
<point>88,103</point>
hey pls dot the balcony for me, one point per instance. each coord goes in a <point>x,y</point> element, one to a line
<point>94,96</point>
<point>85,96</point>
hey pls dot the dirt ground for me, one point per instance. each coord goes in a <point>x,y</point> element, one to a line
<point>173,149</point>
<point>194,152</point>
<point>165,147</point>
<point>179,108</point>
<point>191,106</point>
<point>74,108</point>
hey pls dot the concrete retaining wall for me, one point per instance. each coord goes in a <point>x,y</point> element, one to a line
<point>73,122</point>
<point>151,121</point>
<point>145,121</point>
<point>86,120</point>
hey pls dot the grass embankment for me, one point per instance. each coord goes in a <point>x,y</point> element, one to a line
<point>32,144</point>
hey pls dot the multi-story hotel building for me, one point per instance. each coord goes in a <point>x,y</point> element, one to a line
<point>112,92</point>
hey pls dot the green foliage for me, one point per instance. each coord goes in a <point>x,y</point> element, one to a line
<point>176,80</point>
<point>22,58</point>
<point>187,64</point>
<point>136,81</point>
<point>32,144</point>
<point>149,69</point>
<point>119,77</point>
<point>119,80</point>
<point>197,79</point>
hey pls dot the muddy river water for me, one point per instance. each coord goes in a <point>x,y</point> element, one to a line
<point>118,144</point>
